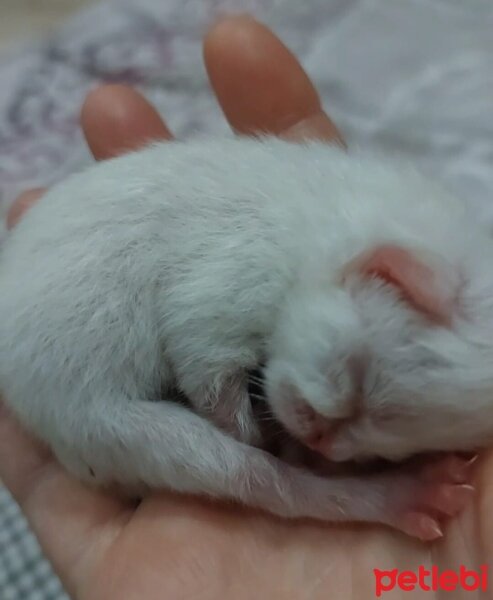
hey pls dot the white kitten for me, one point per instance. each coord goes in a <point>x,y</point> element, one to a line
<point>364,289</point>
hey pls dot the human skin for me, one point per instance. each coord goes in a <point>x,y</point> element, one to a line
<point>168,546</point>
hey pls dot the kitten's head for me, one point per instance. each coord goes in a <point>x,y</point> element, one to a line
<point>395,359</point>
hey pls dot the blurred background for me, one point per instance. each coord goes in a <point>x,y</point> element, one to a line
<point>413,77</point>
<point>23,19</point>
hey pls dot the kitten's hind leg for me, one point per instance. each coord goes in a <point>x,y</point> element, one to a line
<point>164,445</point>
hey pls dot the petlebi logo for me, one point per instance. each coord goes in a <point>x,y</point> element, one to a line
<point>431,579</point>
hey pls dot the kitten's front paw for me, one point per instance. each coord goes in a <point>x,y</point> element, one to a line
<point>417,503</point>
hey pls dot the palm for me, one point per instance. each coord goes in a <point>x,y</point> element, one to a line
<point>175,547</point>
<point>168,546</point>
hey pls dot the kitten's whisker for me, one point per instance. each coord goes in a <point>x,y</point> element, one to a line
<point>267,419</point>
<point>255,378</point>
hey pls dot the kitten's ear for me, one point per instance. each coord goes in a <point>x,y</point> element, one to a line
<point>430,286</point>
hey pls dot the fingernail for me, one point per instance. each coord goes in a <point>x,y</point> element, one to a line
<point>436,529</point>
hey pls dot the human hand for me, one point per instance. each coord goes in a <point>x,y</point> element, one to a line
<point>174,547</point>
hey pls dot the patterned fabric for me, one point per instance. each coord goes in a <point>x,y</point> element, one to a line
<point>24,573</point>
<point>410,76</point>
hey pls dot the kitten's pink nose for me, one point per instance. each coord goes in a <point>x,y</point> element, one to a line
<point>317,431</point>
<point>320,441</point>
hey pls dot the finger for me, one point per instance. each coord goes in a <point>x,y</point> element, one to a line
<point>21,204</point>
<point>74,524</point>
<point>117,119</point>
<point>260,85</point>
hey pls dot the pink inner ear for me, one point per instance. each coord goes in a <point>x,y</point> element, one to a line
<point>430,290</point>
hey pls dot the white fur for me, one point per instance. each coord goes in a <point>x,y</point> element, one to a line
<point>185,265</point>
